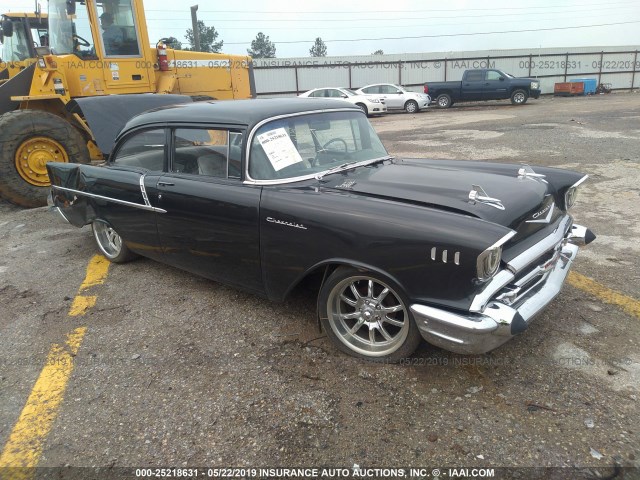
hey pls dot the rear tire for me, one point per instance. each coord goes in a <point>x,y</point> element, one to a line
<point>367,316</point>
<point>110,243</point>
<point>29,139</point>
<point>444,101</point>
<point>519,97</point>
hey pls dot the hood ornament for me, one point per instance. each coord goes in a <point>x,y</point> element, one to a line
<point>526,171</point>
<point>477,194</point>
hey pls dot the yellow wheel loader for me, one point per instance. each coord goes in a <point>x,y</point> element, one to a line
<point>91,71</point>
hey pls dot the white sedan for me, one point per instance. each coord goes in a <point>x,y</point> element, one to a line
<point>396,97</point>
<point>370,104</point>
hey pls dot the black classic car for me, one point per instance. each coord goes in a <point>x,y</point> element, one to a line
<point>261,194</point>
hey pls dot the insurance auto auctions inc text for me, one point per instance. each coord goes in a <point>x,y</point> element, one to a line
<point>355,472</point>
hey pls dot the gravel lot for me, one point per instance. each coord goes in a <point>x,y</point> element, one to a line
<point>176,370</point>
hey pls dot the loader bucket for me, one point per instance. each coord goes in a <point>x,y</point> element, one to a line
<point>18,86</point>
<point>106,115</point>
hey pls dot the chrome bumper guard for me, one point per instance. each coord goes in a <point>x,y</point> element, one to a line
<point>515,301</point>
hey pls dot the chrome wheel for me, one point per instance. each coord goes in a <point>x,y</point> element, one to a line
<point>444,101</point>
<point>368,316</point>
<point>411,107</point>
<point>519,97</point>
<point>108,239</point>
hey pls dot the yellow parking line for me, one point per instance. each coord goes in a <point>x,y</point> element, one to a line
<point>24,447</point>
<point>628,304</point>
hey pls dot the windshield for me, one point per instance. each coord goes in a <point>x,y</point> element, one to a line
<point>350,92</point>
<point>309,144</point>
<point>70,34</point>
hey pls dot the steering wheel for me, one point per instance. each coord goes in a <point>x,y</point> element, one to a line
<point>78,40</point>
<point>335,140</point>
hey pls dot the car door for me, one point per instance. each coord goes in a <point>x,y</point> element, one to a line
<point>121,190</point>
<point>472,85</point>
<point>393,96</point>
<point>495,86</point>
<point>211,222</point>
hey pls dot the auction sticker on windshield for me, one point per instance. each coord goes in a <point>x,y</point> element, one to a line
<point>279,148</point>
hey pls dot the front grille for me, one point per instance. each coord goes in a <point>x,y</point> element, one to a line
<point>530,280</point>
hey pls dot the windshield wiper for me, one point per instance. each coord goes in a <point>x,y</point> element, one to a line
<point>346,166</point>
<point>335,169</point>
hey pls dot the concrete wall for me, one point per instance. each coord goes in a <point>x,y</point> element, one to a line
<point>619,66</point>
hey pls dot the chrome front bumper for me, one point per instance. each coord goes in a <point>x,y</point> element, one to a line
<point>514,299</point>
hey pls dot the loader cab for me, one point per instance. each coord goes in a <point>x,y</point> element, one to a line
<point>91,29</point>
<point>112,32</point>
<point>20,33</point>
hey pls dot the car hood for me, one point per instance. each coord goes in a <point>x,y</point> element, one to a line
<point>447,185</point>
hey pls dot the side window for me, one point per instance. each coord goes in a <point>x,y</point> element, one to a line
<point>474,76</point>
<point>388,89</point>
<point>144,149</point>
<point>209,152</point>
<point>317,93</point>
<point>118,28</point>
<point>333,93</point>
<point>370,90</point>
<point>493,75</point>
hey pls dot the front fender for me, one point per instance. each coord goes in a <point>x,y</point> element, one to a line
<point>431,254</point>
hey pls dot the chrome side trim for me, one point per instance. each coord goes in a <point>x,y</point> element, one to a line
<point>579,181</point>
<point>144,191</point>
<point>503,240</point>
<point>109,199</point>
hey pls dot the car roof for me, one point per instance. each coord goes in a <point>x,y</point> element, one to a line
<point>376,84</point>
<point>235,112</point>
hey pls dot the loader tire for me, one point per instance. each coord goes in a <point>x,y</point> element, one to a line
<point>28,140</point>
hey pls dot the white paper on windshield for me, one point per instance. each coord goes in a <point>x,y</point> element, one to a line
<point>279,148</point>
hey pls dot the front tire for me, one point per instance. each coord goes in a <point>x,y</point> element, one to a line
<point>110,243</point>
<point>444,101</point>
<point>519,97</point>
<point>363,107</point>
<point>367,316</point>
<point>411,106</point>
<point>29,139</point>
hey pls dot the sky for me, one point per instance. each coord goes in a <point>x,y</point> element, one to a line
<point>399,26</point>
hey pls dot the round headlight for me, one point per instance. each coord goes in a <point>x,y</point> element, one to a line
<point>570,197</point>
<point>489,262</point>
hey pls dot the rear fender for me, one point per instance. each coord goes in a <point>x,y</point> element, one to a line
<point>76,209</point>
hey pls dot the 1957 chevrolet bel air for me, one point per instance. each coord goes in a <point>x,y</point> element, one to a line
<point>260,194</point>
